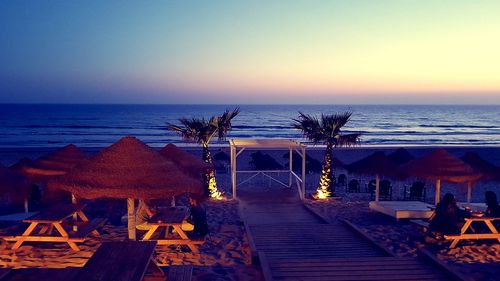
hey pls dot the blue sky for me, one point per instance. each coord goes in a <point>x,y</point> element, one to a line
<point>250,51</point>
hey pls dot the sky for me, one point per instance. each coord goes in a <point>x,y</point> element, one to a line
<point>232,51</point>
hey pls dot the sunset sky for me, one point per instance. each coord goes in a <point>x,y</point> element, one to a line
<point>250,51</point>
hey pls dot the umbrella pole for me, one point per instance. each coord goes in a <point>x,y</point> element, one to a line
<point>438,190</point>
<point>131,218</point>
<point>469,191</point>
<point>26,209</point>
<point>377,187</point>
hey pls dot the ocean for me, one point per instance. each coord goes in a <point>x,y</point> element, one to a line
<point>38,126</point>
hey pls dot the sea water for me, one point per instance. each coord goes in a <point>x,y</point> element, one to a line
<point>101,125</point>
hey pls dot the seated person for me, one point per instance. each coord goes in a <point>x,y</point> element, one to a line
<point>493,209</point>
<point>448,218</point>
<point>197,220</point>
<point>144,214</point>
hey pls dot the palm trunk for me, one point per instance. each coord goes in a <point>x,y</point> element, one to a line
<point>325,180</point>
<point>210,182</point>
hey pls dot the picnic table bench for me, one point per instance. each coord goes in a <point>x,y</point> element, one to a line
<point>467,236</point>
<point>55,217</point>
<point>180,273</point>
<point>121,261</point>
<point>4,272</point>
<point>173,217</point>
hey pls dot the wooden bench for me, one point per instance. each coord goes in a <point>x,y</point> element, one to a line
<point>42,274</point>
<point>180,273</point>
<point>4,272</point>
<point>85,228</point>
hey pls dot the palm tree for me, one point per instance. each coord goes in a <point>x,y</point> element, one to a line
<point>202,131</point>
<point>326,130</point>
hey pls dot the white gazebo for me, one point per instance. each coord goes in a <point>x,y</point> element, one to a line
<point>237,146</point>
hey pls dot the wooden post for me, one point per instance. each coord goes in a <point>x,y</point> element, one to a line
<point>75,216</point>
<point>291,168</point>
<point>469,191</point>
<point>377,188</point>
<point>438,191</point>
<point>131,218</point>
<point>233,169</point>
<point>26,209</point>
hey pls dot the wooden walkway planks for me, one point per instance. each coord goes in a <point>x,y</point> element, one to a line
<point>294,244</point>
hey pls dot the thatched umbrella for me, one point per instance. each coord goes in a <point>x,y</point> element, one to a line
<point>56,163</point>
<point>376,164</point>
<point>19,166</point>
<point>489,170</point>
<point>186,161</point>
<point>441,165</point>
<point>400,156</point>
<point>128,169</point>
<point>14,187</point>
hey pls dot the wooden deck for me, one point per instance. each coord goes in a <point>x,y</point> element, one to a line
<point>292,243</point>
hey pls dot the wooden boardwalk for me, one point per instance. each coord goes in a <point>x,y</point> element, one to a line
<point>292,243</point>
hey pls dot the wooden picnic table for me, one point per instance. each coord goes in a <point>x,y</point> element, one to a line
<point>57,217</point>
<point>467,236</point>
<point>121,261</point>
<point>172,217</point>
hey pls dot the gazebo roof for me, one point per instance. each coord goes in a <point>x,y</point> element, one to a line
<point>128,169</point>
<point>265,143</point>
<point>440,164</point>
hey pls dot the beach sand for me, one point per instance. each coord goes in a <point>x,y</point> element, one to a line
<point>226,254</point>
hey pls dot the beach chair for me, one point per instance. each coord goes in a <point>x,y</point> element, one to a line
<point>415,192</point>
<point>342,180</point>
<point>385,192</point>
<point>353,186</point>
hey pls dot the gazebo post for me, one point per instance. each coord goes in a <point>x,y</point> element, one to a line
<point>377,188</point>
<point>233,169</point>
<point>303,172</point>
<point>291,169</point>
<point>131,218</point>
<point>438,190</point>
<point>469,191</point>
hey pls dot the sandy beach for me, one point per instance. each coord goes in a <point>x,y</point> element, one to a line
<point>227,256</point>
<point>224,256</point>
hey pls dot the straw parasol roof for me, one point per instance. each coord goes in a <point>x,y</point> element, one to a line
<point>56,163</point>
<point>128,169</point>
<point>400,156</point>
<point>13,186</point>
<point>440,164</point>
<point>376,163</point>
<point>481,165</point>
<point>19,166</point>
<point>186,161</point>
